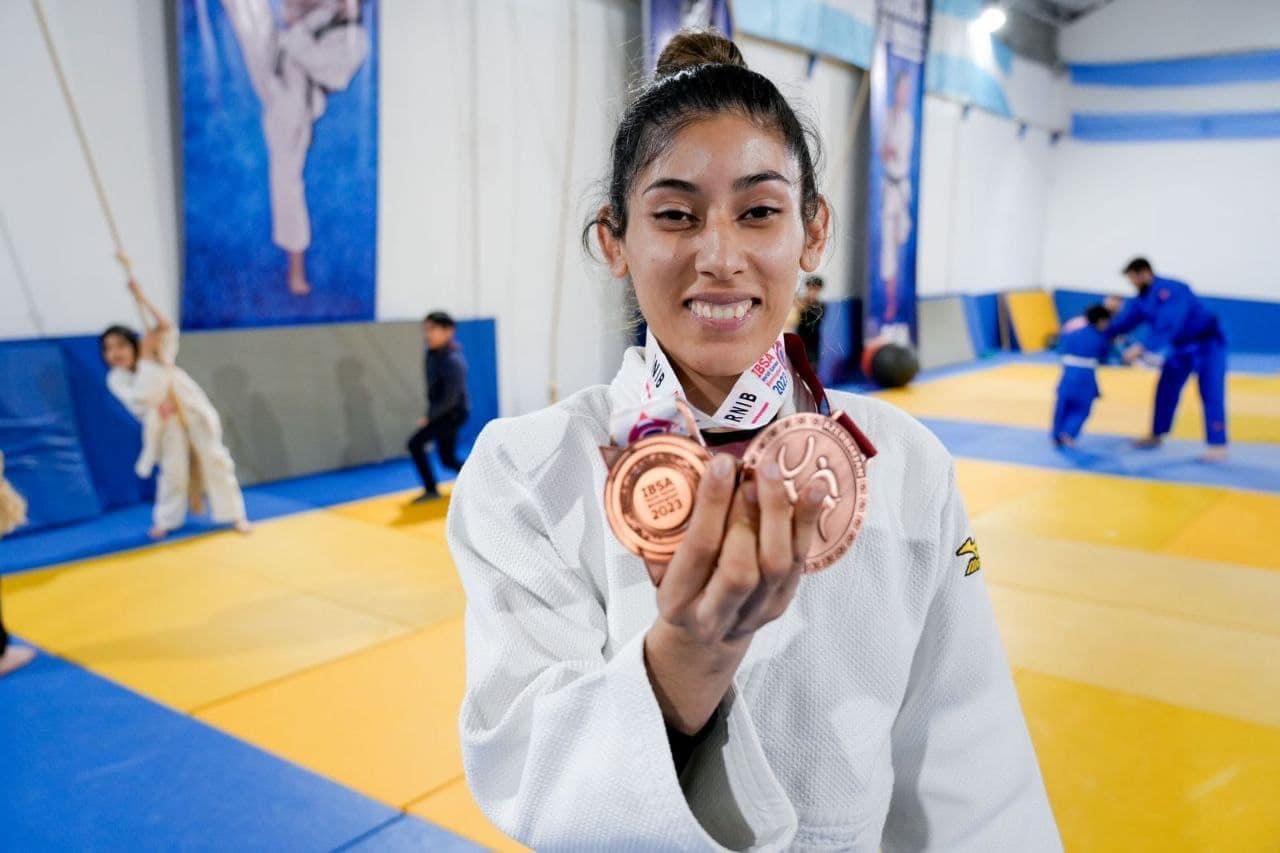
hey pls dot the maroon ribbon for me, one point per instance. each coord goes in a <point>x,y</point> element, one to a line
<point>800,364</point>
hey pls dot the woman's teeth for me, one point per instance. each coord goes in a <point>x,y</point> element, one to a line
<point>732,311</point>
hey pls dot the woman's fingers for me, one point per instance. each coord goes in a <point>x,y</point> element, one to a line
<point>685,576</point>
<point>804,525</point>
<point>772,602</point>
<point>776,556</point>
<point>736,573</point>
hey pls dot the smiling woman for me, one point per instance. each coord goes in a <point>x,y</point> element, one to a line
<point>736,706</point>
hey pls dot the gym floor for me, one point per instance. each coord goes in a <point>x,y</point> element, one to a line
<point>299,689</point>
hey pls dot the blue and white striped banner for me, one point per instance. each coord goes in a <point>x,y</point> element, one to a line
<point>1229,96</point>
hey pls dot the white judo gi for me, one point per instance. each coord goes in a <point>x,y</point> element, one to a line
<point>877,713</point>
<point>292,70</point>
<point>895,189</point>
<point>189,438</point>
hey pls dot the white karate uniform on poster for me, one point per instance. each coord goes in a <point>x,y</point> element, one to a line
<point>172,440</point>
<point>895,204</point>
<point>878,713</point>
<point>292,69</point>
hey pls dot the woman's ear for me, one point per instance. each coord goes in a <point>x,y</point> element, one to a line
<point>615,253</point>
<point>816,232</point>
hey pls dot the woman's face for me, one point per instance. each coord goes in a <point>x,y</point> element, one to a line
<point>715,242</point>
<point>118,352</point>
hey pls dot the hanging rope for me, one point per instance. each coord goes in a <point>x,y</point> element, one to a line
<point>33,313</point>
<point>566,189</point>
<point>58,72</point>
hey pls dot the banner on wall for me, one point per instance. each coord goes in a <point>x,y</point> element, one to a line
<point>279,155</point>
<point>897,81</point>
<point>664,18</point>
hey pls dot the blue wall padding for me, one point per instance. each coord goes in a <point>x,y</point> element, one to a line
<point>71,446</point>
<point>986,313</point>
<point>110,437</point>
<point>39,437</point>
<point>479,340</point>
<point>1250,325</point>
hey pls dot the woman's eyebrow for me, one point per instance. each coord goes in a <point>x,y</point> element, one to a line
<point>744,183</point>
<point>749,181</point>
<point>672,184</point>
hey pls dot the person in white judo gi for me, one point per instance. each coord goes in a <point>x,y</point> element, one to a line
<point>293,69</point>
<point>181,432</point>
<point>895,189</point>
<point>739,705</point>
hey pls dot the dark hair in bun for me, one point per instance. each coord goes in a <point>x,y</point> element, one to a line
<point>699,74</point>
<point>692,48</point>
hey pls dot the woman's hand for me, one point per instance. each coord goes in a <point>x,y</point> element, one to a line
<point>736,570</point>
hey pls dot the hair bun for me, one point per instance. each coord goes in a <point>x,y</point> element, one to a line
<point>692,48</point>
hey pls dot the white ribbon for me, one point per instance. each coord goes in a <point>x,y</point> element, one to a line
<point>760,393</point>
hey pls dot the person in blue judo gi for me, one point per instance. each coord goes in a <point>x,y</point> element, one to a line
<point>1182,337</point>
<point>1084,344</point>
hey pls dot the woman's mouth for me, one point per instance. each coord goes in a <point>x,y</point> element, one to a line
<point>722,316</point>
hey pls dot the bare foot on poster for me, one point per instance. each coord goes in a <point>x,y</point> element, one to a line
<point>298,284</point>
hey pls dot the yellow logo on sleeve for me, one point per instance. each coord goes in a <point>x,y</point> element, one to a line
<point>969,549</point>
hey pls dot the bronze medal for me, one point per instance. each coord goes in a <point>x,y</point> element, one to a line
<point>813,448</point>
<point>649,492</point>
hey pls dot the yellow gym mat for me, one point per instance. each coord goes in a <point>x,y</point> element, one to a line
<point>383,721</point>
<point>1132,775</point>
<point>1142,619</point>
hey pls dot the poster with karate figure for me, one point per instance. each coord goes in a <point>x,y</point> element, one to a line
<point>279,158</point>
<point>897,91</point>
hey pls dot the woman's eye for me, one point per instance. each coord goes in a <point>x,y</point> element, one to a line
<point>673,216</point>
<point>761,212</point>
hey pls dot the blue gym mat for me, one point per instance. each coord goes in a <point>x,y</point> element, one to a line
<point>89,765</point>
<point>1250,466</point>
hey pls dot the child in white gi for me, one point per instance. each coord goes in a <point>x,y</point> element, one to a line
<point>180,428</point>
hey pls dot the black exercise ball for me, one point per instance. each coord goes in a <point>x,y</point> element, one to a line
<point>894,365</point>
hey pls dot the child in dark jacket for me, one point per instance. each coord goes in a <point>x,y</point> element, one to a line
<point>447,403</point>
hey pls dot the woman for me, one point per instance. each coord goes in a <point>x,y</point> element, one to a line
<point>739,706</point>
<point>180,428</point>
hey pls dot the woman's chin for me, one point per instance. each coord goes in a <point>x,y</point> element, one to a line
<point>720,358</point>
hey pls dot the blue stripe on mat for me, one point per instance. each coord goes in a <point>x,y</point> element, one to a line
<point>1250,466</point>
<point>89,765</point>
<point>123,529</point>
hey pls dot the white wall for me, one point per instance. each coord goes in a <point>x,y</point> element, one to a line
<point>114,56</point>
<point>475,227</point>
<point>1127,30</point>
<point>983,199</point>
<point>475,119</point>
<point>1208,212</point>
<point>827,98</point>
